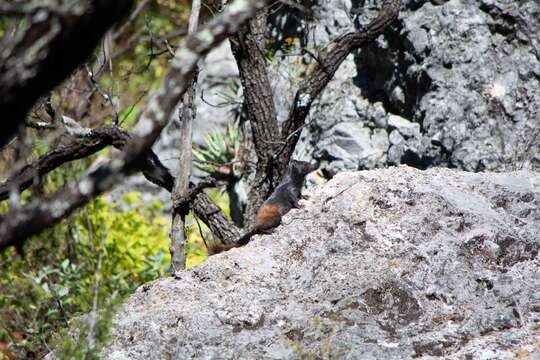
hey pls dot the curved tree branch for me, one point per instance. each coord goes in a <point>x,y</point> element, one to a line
<point>56,40</point>
<point>323,70</point>
<point>65,152</point>
<point>151,167</point>
<point>19,224</point>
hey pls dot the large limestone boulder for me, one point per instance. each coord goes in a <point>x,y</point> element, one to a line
<point>386,264</point>
<point>452,83</point>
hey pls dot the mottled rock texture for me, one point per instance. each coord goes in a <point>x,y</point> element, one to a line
<point>385,264</point>
<point>462,75</point>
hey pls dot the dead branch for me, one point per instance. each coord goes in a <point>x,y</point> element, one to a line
<point>274,148</point>
<point>151,167</point>
<point>323,70</point>
<point>130,20</point>
<point>19,224</point>
<point>65,152</point>
<point>193,192</point>
<point>37,60</point>
<point>221,226</point>
<point>187,115</point>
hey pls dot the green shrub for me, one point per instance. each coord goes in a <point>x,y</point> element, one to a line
<point>55,282</point>
<point>45,297</point>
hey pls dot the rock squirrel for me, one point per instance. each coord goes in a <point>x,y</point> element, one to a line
<point>284,197</point>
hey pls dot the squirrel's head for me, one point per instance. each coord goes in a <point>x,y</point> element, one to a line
<point>301,167</point>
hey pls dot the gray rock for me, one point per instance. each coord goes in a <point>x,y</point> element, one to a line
<point>467,73</point>
<point>381,264</point>
<point>351,144</point>
<point>396,138</point>
<point>404,126</point>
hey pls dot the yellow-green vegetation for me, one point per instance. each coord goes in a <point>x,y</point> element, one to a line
<point>97,256</point>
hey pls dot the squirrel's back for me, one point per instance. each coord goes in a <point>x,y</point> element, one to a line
<point>284,197</point>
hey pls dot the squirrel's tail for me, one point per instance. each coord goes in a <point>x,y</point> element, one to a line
<point>244,239</point>
<point>216,246</point>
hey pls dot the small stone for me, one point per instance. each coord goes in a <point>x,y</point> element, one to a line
<point>404,126</point>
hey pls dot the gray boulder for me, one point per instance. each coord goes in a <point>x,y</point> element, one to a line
<point>381,264</point>
<point>466,73</point>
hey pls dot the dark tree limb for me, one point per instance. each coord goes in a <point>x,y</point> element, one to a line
<point>249,48</point>
<point>220,225</point>
<point>47,51</point>
<point>323,70</point>
<point>151,167</point>
<point>193,192</point>
<point>65,152</point>
<point>19,224</point>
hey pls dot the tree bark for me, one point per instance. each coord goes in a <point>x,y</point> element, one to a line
<point>47,50</point>
<point>18,224</point>
<point>249,49</point>
<point>78,148</point>
<point>187,113</point>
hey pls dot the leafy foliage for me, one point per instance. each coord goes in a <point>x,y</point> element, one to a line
<point>219,153</point>
<point>47,296</point>
<point>56,280</point>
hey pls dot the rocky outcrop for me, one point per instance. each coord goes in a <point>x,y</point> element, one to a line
<point>461,77</point>
<point>386,264</point>
<point>452,83</point>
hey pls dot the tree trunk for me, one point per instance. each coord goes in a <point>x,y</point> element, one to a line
<point>187,115</point>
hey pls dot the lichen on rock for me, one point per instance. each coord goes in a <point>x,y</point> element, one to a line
<point>392,264</point>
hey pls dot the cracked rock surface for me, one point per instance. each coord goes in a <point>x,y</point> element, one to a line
<point>451,83</point>
<point>385,264</point>
<point>461,76</point>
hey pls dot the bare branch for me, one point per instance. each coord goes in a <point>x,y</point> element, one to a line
<point>187,115</point>
<point>323,70</point>
<point>73,150</point>
<point>151,167</point>
<point>37,60</point>
<point>129,21</point>
<point>193,192</point>
<point>18,224</point>
<point>221,226</point>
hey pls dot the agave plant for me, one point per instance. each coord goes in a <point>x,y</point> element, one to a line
<point>217,156</point>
